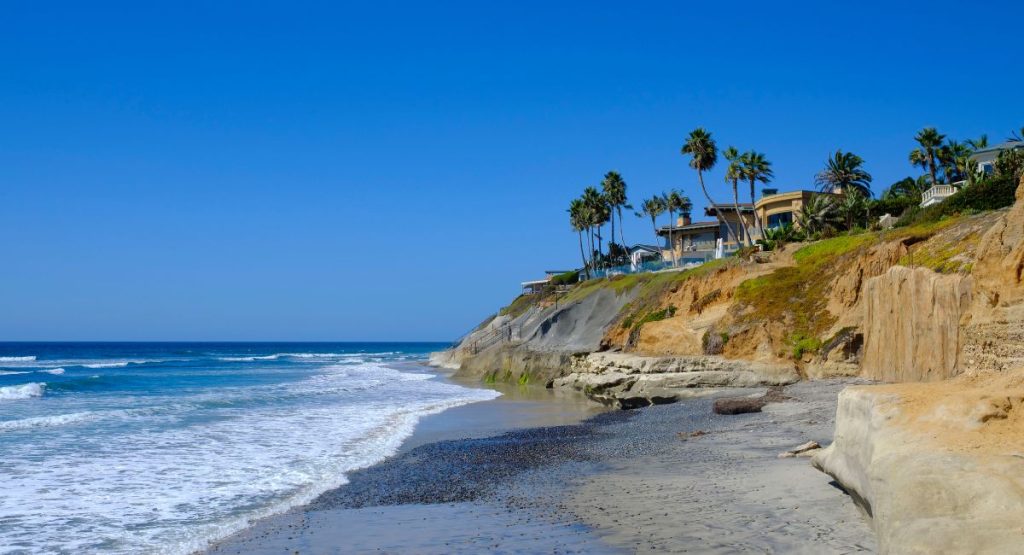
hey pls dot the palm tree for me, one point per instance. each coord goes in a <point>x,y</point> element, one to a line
<point>733,173</point>
<point>817,215</point>
<point>844,171</point>
<point>852,207</point>
<point>906,187</point>
<point>755,167</point>
<point>600,213</point>
<point>676,201</point>
<point>979,143</point>
<point>955,157</point>
<point>578,221</point>
<point>652,208</point>
<point>930,140</point>
<point>1016,137</point>
<point>615,193</point>
<point>703,152</point>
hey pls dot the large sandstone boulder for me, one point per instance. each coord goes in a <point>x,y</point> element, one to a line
<point>937,466</point>
<point>912,324</point>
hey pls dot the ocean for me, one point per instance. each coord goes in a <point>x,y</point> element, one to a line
<point>164,447</point>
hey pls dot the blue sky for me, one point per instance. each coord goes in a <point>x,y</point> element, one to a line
<point>385,170</point>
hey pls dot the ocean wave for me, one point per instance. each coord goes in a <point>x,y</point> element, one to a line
<point>24,391</point>
<point>249,359</point>
<point>18,359</point>
<point>54,371</point>
<point>9,373</point>
<point>46,421</point>
<point>109,364</point>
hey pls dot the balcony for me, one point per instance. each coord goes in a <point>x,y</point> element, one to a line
<point>939,193</point>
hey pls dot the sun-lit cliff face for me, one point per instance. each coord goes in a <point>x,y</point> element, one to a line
<point>937,465</point>
<point>885,305</point>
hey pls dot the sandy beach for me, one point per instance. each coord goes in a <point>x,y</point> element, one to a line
<point>535,473</point>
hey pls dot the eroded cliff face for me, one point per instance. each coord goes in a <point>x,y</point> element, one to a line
<point>938,465</point>
<point>912,324</point>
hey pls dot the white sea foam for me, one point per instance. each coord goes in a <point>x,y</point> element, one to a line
<point>249,359</point>
<point>18,359</point>
<point>55,371</point>
<point>24,391</point>
<point>10,373</point>
<point>244,452</point>
<point>121,364</point>
<point>46,421</point>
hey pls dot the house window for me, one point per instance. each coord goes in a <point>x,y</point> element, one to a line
<point>780,219</point>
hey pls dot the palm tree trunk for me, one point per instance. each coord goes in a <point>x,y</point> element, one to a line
<point>757,217</point>
<point>622,238</point>
<point>671,243</point>
<point>586,269</point>
<point>931,168</point>
<point>612,239</point>
<point>711,203</point>
<point>739,216</point>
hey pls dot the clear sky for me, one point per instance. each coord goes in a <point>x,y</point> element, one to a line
<point>385,170</point>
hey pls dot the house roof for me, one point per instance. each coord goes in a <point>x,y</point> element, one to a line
<point>723,207</point>
<point>989,153</point>
<point>690,227</point>
<point>648,248</point>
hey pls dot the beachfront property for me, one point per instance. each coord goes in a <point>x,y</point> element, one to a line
<point>538,285</point>
<point>690,242</point>
<point>985,159</point>
<point>700,241</point>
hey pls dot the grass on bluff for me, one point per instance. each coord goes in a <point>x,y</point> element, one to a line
<point>798,295</point>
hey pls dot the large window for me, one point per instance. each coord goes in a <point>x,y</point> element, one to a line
<point>780,219</point>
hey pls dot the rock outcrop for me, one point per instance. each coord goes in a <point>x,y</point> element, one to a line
<point>912,324</point>
<point>936,466</point>
<point>630,381</point>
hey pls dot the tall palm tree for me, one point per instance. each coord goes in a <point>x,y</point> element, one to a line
<point>615,193</point>
<point>578,222</point>
<point>927,156</point>
<point>755,167</point>
<point>844,171</point>
<point>1016,137</point>
<point>652,208</point>
<point>703,152</point>
<point>671,202</point>
<point>733,173</point>
<point>599,211</point>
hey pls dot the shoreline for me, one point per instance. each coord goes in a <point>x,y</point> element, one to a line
<point>611,482</point>
<point>516,408</point>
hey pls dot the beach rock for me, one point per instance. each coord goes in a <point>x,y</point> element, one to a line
<point>937,466</point>
<point>740,405</point>
<point>630,381</point>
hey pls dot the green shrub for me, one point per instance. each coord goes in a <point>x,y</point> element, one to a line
<point>804,344</point>
<point>568,278</point>
<point>990,194</point>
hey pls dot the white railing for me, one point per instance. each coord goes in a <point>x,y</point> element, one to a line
<point>937,193</point>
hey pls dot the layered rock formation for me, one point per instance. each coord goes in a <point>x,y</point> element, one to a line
<point>630,381</point>
<point>936,466</point>
<point>912,324</point>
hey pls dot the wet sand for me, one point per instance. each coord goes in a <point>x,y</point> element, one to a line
<point>614,482</point>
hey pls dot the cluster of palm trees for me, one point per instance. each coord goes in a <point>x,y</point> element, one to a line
<point>590,212</point>
<point>821,215</point>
